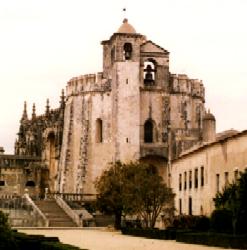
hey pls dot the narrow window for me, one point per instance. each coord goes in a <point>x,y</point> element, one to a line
<point>190,179</point>
<point>2,183</point>
<point>202,176</point>
<point>196,178</point>
<point>112,55</point>
<point>180,206</point>
<point>127,81</point>
<point>99,130</point>
<point>217,183</point>
<point>127,140</point>
<point>226,178</point>
<point>148,131</point>
<point>127,51</point>
<point>149,73</point>
<point>185,180</point>
<point>30,184</point>
<point>190,206</point>
<point>180,182</point>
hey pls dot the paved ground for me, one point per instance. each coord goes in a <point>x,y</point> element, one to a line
<point>105,240</point>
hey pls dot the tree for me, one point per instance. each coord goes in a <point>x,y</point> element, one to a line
<point>233,198</point>
<point>110,194</point>
<point>135,189</point>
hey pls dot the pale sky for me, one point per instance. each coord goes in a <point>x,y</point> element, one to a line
<point>45,43</point>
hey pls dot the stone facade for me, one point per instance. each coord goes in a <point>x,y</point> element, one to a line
<point>197,175</point>
<point>41,136</point>
<point>20,174</point>
<point>135,109</point>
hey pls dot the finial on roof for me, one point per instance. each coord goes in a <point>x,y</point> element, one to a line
<point>24,115</point>
<point>47,107</point>
<point>34,112</point>
<point>62,100</point>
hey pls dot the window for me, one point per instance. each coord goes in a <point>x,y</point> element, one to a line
<point>180,206</point>
<point>30,184</point>
<point>190,206</point>
<point>180,182</point>
<point>149,72</point>
<point>202,176</point>
<point>112,55</point>
<point>217,183</point>
<point>185,180</point>
<point>127,51</point>
<point>190,179</point>
<point>99,130</point>
<point>226,178</point>
<point>196,178</point>
<point>148,131</point>
<point>2,183</point>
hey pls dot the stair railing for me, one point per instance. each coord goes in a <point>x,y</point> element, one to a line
<point>36,209</point>
<point>67,209</point>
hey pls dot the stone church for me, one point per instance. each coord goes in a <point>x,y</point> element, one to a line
<point>135,109</point>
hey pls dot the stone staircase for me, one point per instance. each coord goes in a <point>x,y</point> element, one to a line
<point>56,216</point>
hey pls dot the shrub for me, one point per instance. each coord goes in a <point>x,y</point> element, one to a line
<point>7,241</point>
<point>198,223</point>
<point>221,221</point>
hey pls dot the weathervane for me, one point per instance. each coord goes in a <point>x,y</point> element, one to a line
<point>124,12</point>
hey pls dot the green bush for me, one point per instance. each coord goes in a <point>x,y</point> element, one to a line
<point>167,234</point>
<point>7,241</point>
<point>221,221</point>
<point>214,239</point>
<point>197,223</point>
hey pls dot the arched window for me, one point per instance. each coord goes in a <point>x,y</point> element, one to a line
<point>148,131</point>
<point>127,51</point>
<point>99,130</point>
<point>30,184</point>
<point>112,55</point>
<point>149,72</point>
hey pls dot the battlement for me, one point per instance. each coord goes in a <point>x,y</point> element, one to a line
<point>85,83</point>
<point>181,83</point>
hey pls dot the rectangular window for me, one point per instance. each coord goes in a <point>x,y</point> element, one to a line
<point>190,179</point>
<point>202,176</point>
<point>217,183</point>
<point>190,206</point>
<point>185,180</point>
<point>2,183</point>
<point>180,206</point>
<point>180,182</point>
<point>226,178</point>
<point>196,178</point>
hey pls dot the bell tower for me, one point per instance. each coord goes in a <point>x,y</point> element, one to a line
<point>121,66</point>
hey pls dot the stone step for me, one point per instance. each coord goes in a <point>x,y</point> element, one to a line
<point>56,216</point>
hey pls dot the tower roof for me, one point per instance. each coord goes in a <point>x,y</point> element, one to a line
<point>126,27</point>
<point>209,116</point>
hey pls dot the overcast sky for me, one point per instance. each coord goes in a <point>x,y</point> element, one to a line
<point>45,43</point>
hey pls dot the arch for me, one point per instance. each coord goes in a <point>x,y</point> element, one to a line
<point>30,184</point>
<point>149,131</point>
<point>127,51</point>
<point>149,72</point>
<point>99,131</point>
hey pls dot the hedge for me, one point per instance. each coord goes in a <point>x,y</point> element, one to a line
<point>213,239</point>
<point>40,242</point>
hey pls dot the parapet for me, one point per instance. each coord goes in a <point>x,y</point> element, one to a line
<point>182,84</point>
<point>85,83</point>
